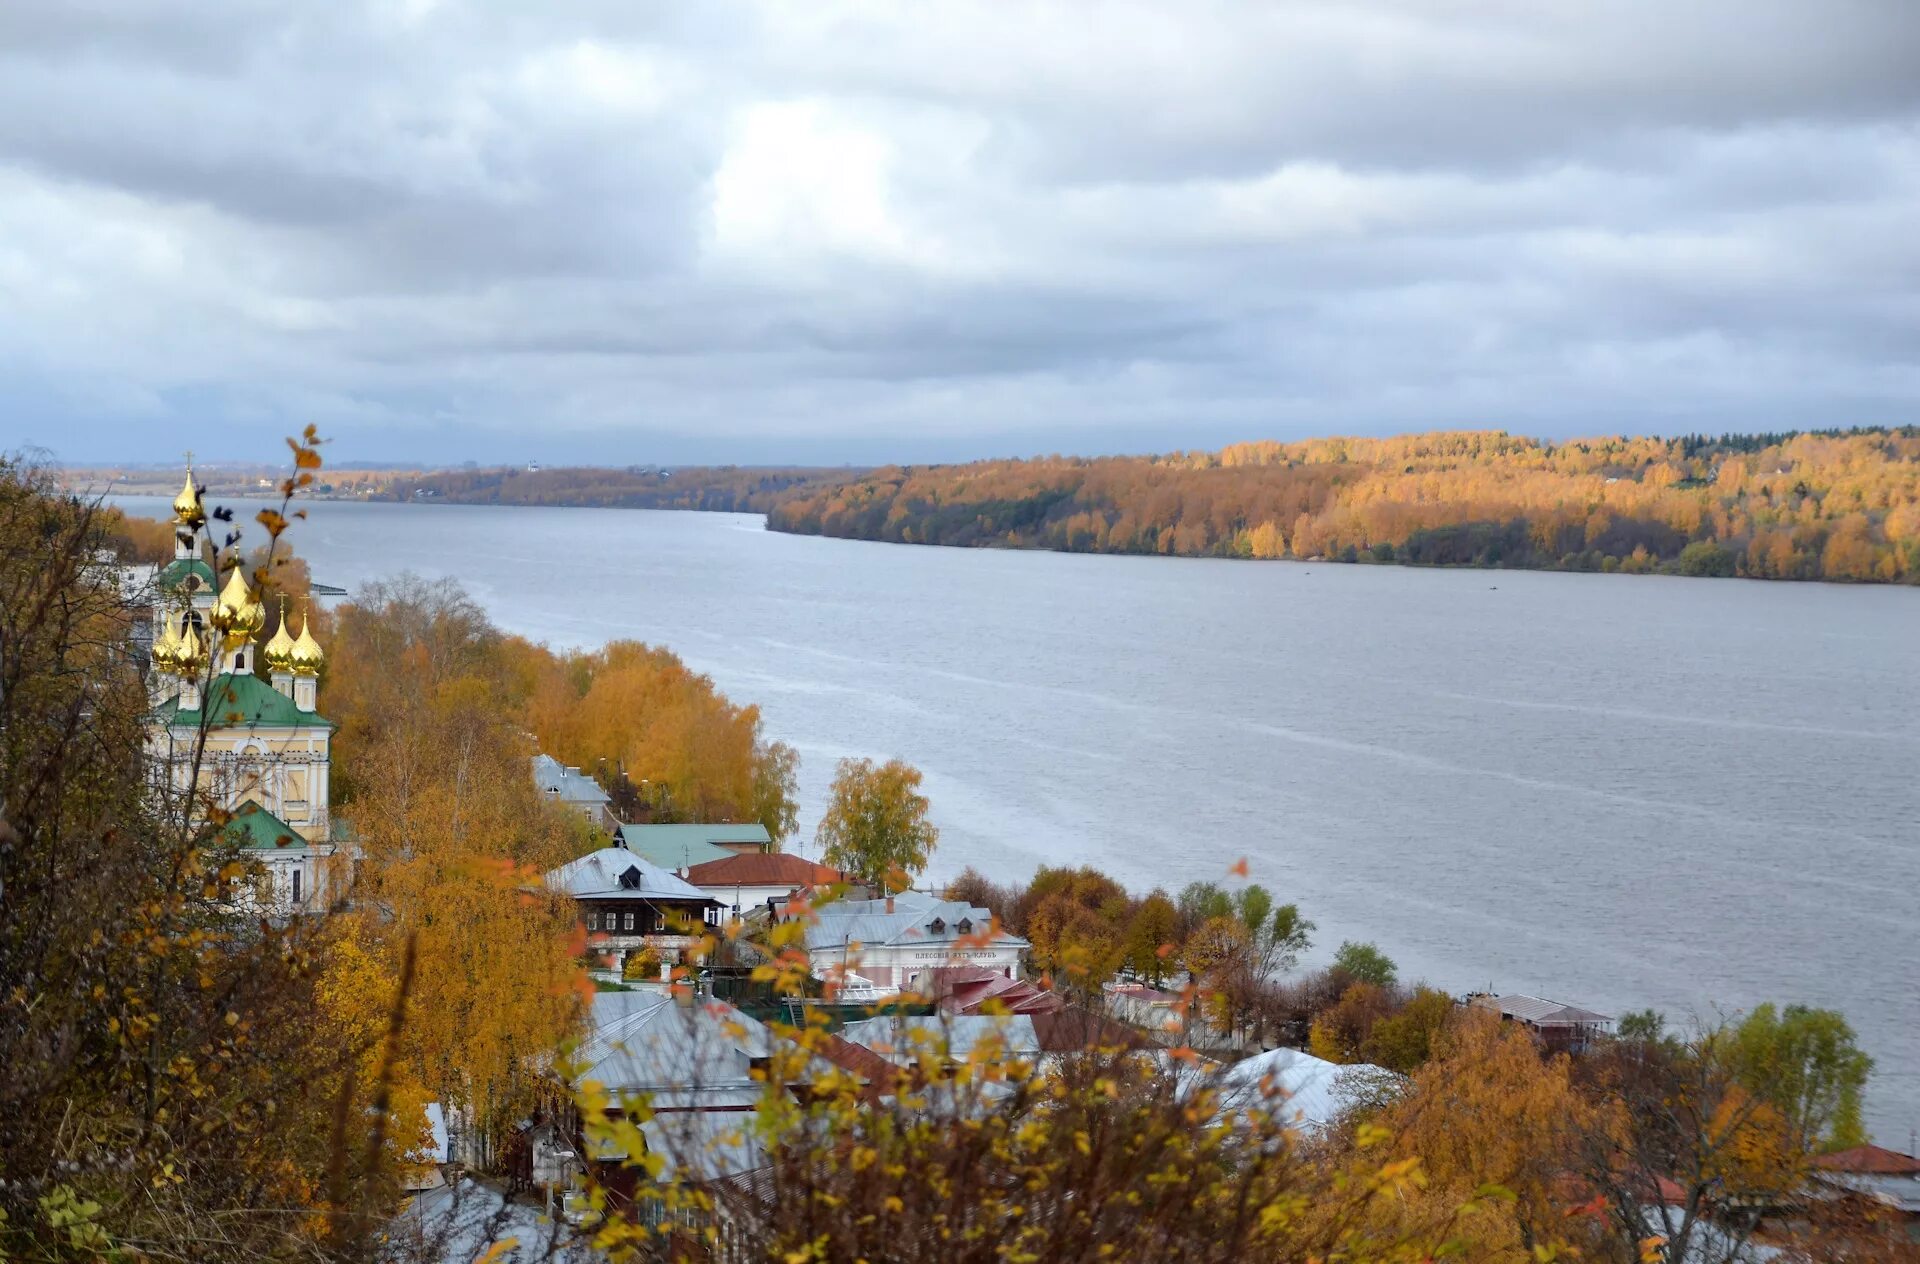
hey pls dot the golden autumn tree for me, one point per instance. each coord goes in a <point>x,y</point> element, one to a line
<point>454,840</point>
<point>638,713</point>
<point>1489,1109</point>
<point>875,826</point>
<point>355,998</point>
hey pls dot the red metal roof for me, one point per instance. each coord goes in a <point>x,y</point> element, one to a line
<point>1870,1159</point>
<point>763,869</point>
<point>1071,1029</point>
<point>1060,1026</point>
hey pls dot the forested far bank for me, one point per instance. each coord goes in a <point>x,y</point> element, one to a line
<point>1828,505</point>
<point>716,489</point>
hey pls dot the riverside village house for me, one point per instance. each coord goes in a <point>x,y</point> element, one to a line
<point>266,756</point>
<point>630,906</point>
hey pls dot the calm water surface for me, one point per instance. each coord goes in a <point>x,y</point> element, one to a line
<point>1616,791</point>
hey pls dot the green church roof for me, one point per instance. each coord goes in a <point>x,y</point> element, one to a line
<point>240,701</point>
<point>175,573</point>
<point>252,826</point>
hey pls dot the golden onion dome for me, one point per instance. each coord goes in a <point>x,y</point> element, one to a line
<point>166,646</point>
<point>187,510</point>
<point>306,656</point>
<point>190,655</point>
<point>237,615</point>
<point>279,650</point>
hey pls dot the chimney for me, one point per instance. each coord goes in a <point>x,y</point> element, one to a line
<point>889,904</point>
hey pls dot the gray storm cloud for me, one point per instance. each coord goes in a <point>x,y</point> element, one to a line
<point>858,232</point>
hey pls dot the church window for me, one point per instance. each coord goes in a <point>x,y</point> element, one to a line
<point>296,886</point>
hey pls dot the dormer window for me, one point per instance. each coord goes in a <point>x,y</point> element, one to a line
<point>965,926</point>
<point>630,880</point>
<point>937,926</point>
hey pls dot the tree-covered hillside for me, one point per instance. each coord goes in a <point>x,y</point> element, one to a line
<point>1829,505</point>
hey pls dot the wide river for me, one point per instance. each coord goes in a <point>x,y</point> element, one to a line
<point>1615,791</point>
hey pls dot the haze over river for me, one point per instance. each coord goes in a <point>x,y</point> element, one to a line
<point>1615,791</point>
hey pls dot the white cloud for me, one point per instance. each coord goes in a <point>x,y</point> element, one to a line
<point>796,180</point>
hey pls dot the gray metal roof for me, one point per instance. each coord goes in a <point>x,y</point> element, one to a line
<point>614,873</point>
<point>912,923</point>
<point>1542,1012</point>
<point>680,1056</point>
<point>569,785</point>
<point>903,1038</point>
<point>705,1145</point>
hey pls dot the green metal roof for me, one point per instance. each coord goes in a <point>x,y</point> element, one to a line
<point>253,826</point>
<point>671,846</point>
<point>240,701</point>
<point>176,572</point>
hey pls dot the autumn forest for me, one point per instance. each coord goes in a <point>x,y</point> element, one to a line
<point>1832,505</point>
<point>1837,506</point>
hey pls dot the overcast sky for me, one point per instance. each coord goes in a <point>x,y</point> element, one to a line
<point>621,231</point>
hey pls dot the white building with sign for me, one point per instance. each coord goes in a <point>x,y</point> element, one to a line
<point>895,943</point>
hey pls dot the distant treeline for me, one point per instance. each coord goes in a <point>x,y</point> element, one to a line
<point>720,489</point>
<point>1841,505</point>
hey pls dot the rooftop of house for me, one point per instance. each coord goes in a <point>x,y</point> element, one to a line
<point>1075,1029</point>
<point>763,869</point>
<point>241,701</point>
<point>1537,1010</point>
<point>873,1071</point>
<point>565,783</point>
<point>697,1056</point>
<point>904,1038</point>
<point>682,846</point>
<point>912,920</point>
<point>972,989</point>
<point>1141,994</point>
<point>1300,1090</point>
<point>1869,1160</point>
<point>614,873</point>
<point>702,1146</point>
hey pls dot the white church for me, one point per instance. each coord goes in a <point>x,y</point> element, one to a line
<point>262,747</point>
